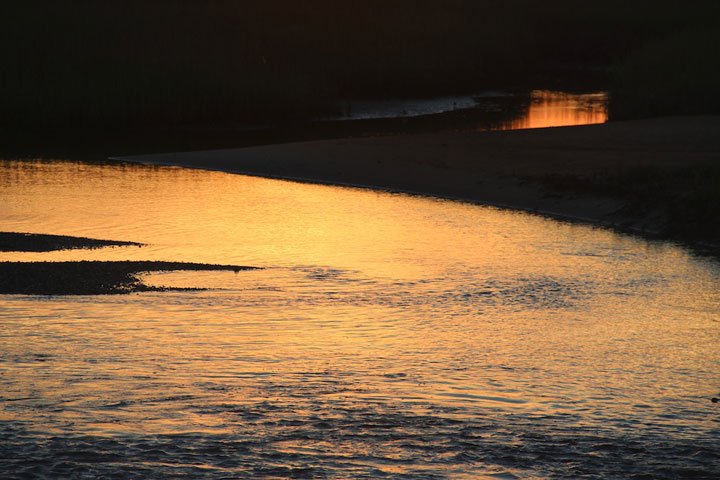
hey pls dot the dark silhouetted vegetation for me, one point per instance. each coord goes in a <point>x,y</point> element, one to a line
<point>687,198</point>
<point>679,74</point>
<point>168,62</point>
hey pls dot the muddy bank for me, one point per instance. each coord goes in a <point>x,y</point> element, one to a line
<point>657,177</point>
<point>84,277</point>
<point>89,278</point>
<point>34,242</point>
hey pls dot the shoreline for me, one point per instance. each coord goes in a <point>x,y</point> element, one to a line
<point>627,176</point>
<point>83,277</point>
<point>34,242</point>
<point>92,277</point>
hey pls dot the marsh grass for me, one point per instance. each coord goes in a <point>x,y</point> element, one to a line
<point>679,74</point>
<point>138,63</point>
<point>688,198</point>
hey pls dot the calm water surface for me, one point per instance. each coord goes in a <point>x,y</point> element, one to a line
<point>388,336</point>
<point>559,109</point>
<point>504,111</point>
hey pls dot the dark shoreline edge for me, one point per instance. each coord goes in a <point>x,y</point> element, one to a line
<point>628,225</point>
<point>91,277</point>
<point>82,277</point>
<point>653,178</point>
<point>36,242</point>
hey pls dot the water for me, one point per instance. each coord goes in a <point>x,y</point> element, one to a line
<point>492,110</point>
<point>388,336</point>
<point>559,109</point>
<point>408,107</point>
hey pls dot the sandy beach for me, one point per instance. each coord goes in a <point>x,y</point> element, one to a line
<point>532,170</point>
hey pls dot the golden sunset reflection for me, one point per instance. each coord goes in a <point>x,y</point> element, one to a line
<point>373,309</point>
<point>559,109</point>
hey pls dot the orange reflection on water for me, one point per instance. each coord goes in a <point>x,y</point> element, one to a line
<point>559,109</point>
<point>380,317</point>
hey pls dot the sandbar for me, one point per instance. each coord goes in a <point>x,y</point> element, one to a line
<point>90,277</point>
<point>35,242</point>
<point>83,277</point>
<point>575,173</point>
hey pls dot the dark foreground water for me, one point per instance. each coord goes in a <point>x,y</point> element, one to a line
<point>390,336</point>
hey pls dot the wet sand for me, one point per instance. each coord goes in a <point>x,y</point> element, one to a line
<point>563,172</point>
<point>89,277</point>
<point>84,277</point>
<point>33,242</point>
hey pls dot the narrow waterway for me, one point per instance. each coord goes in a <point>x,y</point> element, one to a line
<point>491,110</point>
<point>388,336</point>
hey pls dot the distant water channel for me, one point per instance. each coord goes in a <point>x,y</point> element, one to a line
<point>389,336</point>
<point>491,110</point>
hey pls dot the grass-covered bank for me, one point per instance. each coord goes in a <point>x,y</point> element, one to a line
<point>677,74</point>
<point>656,177</point>
<point>97,144</point>
<point>683,202</point>
<point>137,63</point>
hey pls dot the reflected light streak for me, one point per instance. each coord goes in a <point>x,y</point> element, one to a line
<point>380,317</point>
<point>556,109</point>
